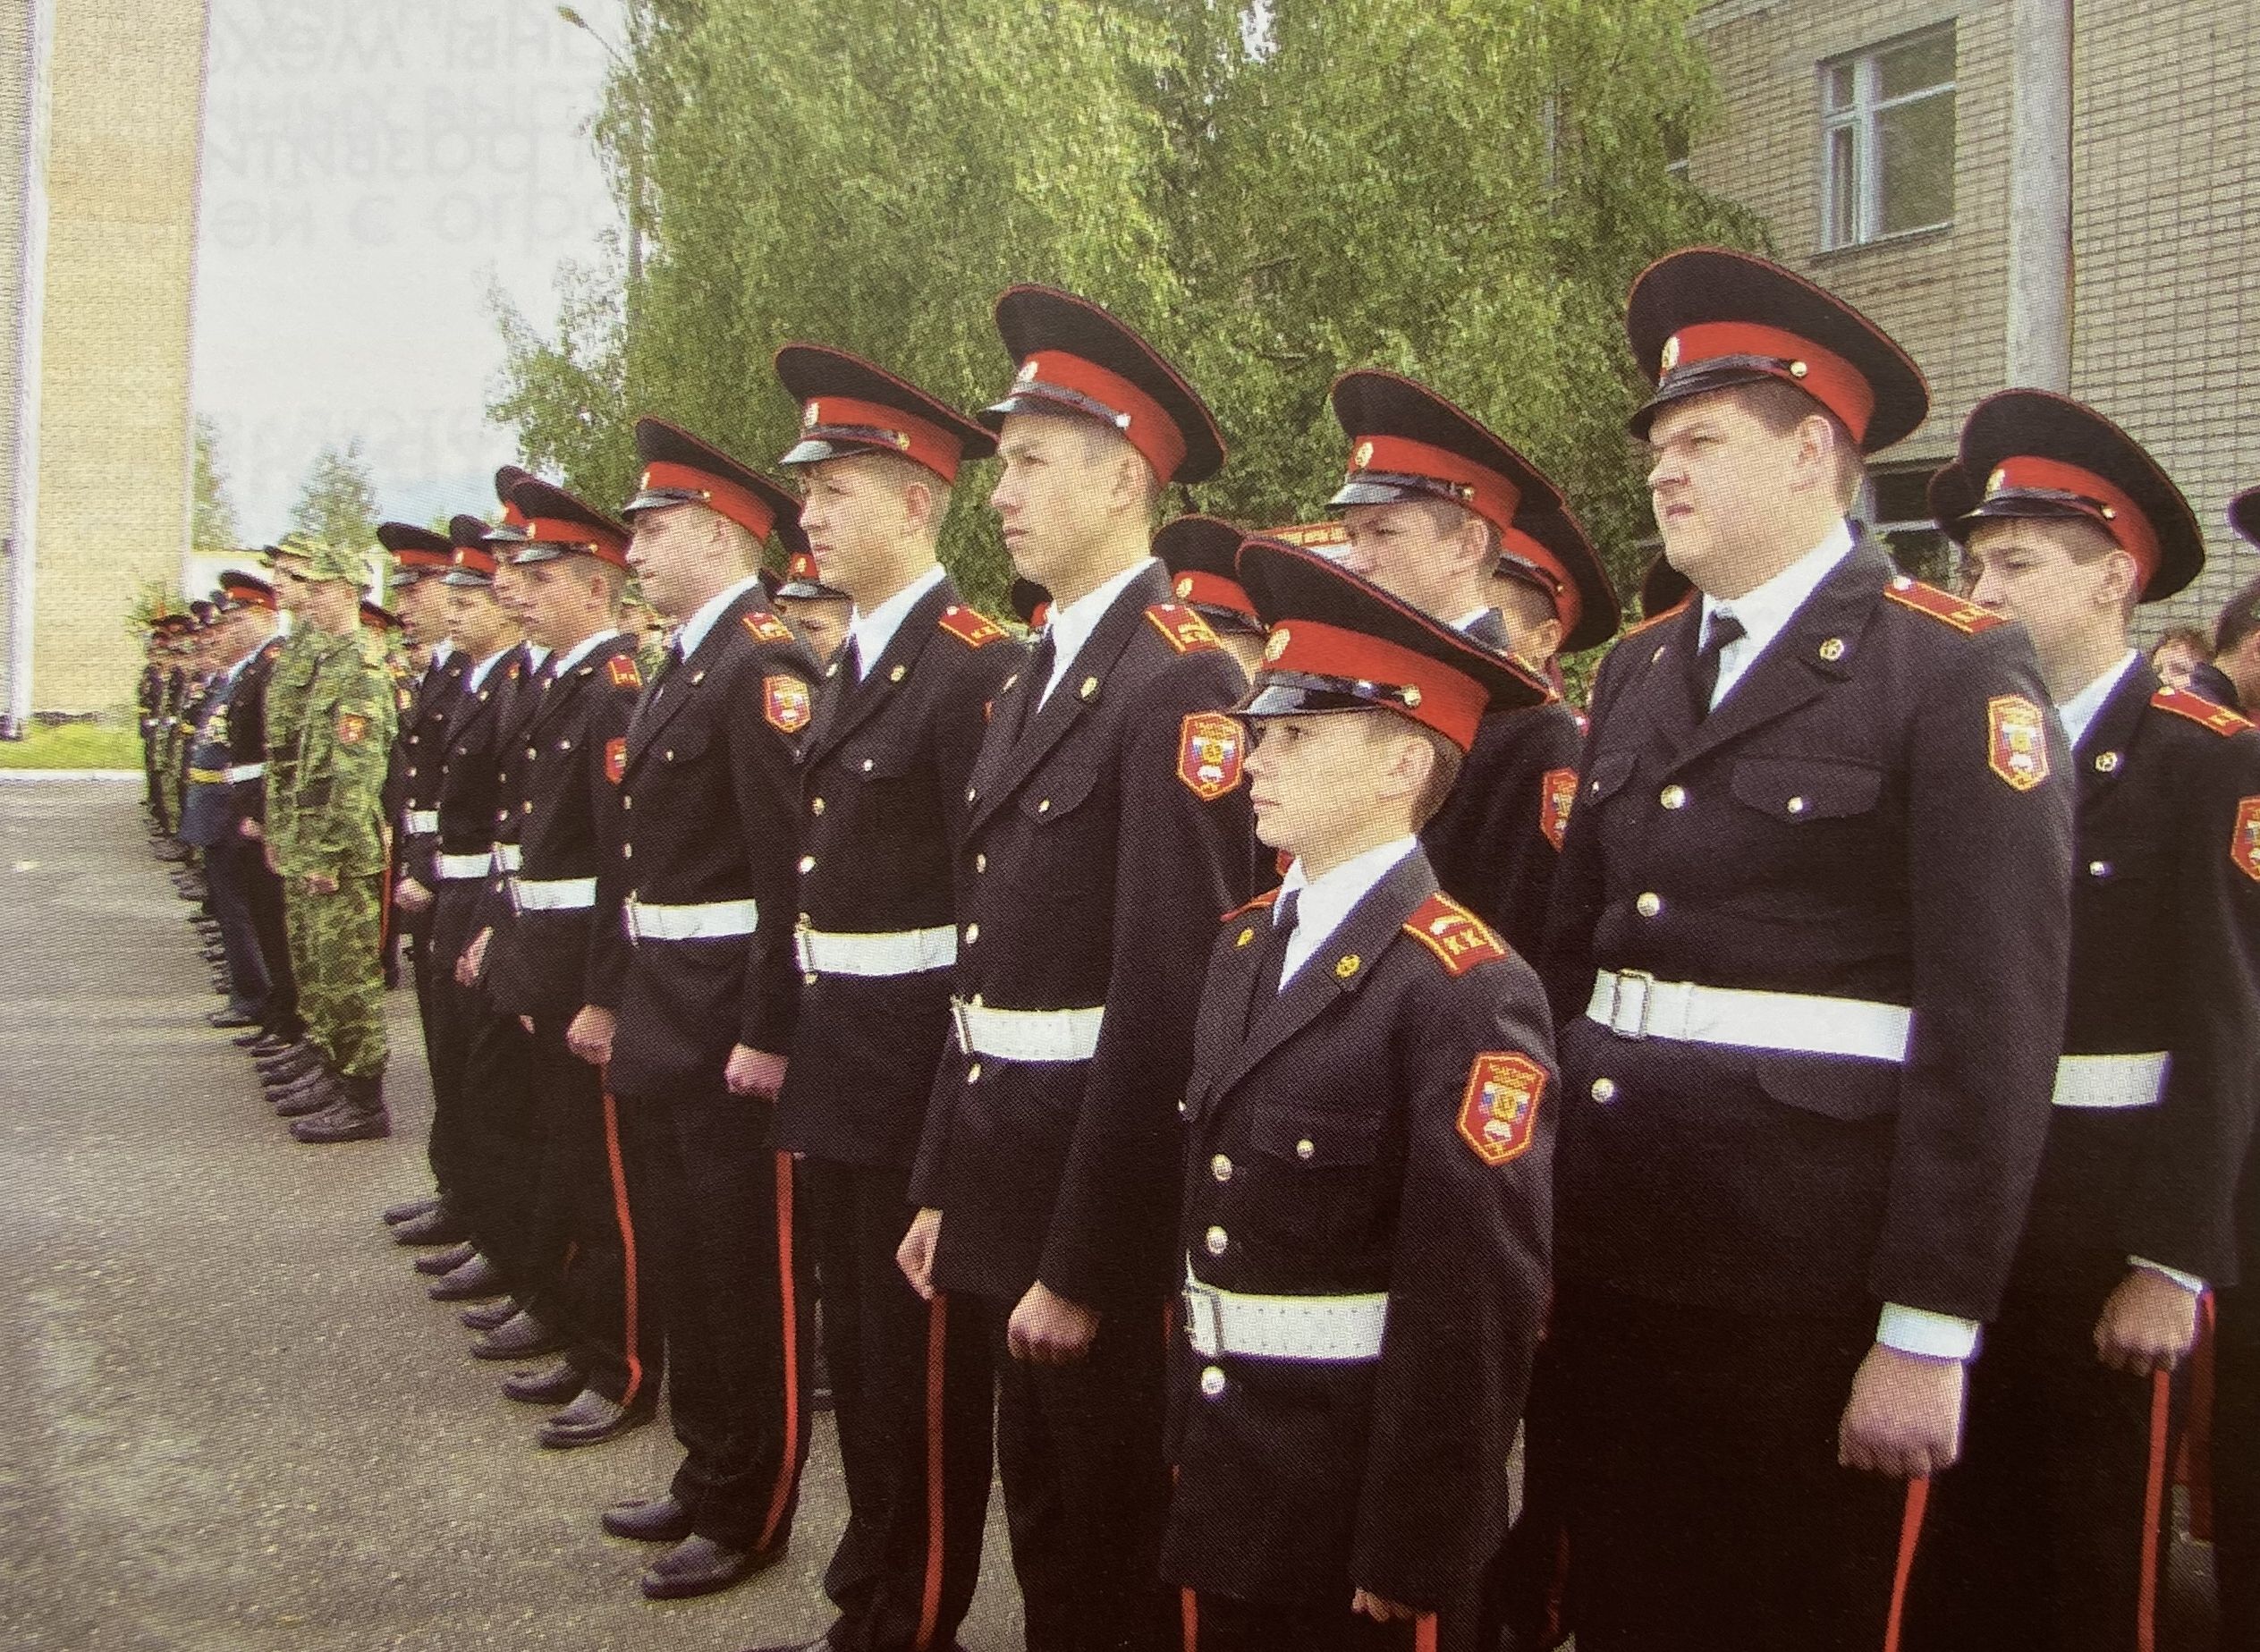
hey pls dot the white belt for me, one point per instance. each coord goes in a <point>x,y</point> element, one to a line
<point>708,921</point>
<point>208,776</point>
<point>456,868</point>
<point>1634,1004</point>
<point>243,772</point>
<point>2112,1081</point>
<point>1333,1328</point>
<point>552,894</point>
<point>423,822</point>
<point>1027,1035</point>
<point>506,857</point>
<point>896,952</point>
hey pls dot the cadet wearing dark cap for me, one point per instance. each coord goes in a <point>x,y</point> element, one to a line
<point>2053,1529</point>
<point>1444,515</point>
<point>1202,556</point>
<point>1368,1130</point>
<point>1815,906</point>
<point>818,611</point>
<point>211,819</point>
<point>1109,826</point>
<point>899,721</point>
<point>693,995</point>
<point>1031,603</point>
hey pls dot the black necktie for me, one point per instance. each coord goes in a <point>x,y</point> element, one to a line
<point>668,661</point>
<point>1274,959</point>
<point>1722,629</point>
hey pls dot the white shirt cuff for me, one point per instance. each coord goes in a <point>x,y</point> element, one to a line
<point>1919,1331</point>
<point>2187,1282</point>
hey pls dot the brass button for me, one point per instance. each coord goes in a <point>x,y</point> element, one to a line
<point>972,934</point>
<point>1043,806</point>
<point>970,794</point>
<point>1218,1242</point>
<point>1673,797</point>
<point>627,851</point>
<point>1306,1149</point>
<point>810,977</point>
<point>815,805</point>
<point>1649,904</point>
<point>973,1073</point>
<point>981,862</point>
<point>1604,1091</point>
<point>531,752</point>
<point>2099,869</point>
<point>627,802</point>
<point>2106,762</point>
<point>1212,1382</point>
<point>867,766</point>
<point>1796,806</point>
<point>808,863</point>
<point>670,754</point>
<point>1220,1166</point>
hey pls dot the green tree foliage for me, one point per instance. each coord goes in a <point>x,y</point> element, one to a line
<point>1461,189</point>
<point>212,518</point>
<point>337,502</point>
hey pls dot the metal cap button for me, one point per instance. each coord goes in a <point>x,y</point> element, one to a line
<point>1673,797</point>
<point>1604,1091</point>
<point>1306,1149</point>
<point>808,863</point>
<point>1649,904</point>
<point>1212,1381</point>
<point>1218,1242</point>
<point>1220,1166</point>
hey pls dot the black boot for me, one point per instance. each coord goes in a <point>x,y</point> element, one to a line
<point>318,1092</point>
<point>359,1115</point>
<point>292,1063</point>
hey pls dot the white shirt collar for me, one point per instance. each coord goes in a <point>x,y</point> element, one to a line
<point>695,629</point>
<point>1323,902</point>
<point>1766,611</point>
<point>872,631</point>
<point>1473,617</point>
<point>535,654</point>
<point>2080,711</point>
<point>441,653</point>
<point>1072,623</point>
<point>250,654</point>
<point>582,649</point>
<point>478,679</point>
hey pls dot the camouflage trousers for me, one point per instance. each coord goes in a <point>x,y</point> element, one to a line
<point>340,979</point>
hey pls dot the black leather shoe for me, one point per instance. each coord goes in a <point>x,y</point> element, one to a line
<point>486,1316</point>
<point>293,1064</point>
<point>648,1521</point>
<point>408,1210</point>
<point>475,1279</point>
<point>447,1261</point>
<point>436,1226</point>
<point>258,1043</point>
<point>591,1420</point>
<point>521,1336</point>
<point>351,1120</point>
<point>700,1566</point>
<point>228,1020</point>
<point>318,1092</point>
<point>549,1386</point>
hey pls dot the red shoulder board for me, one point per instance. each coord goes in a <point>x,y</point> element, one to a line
<point>1186,631</point>
<point>1457,938</point>
<point>2198,709</point>
<point>1654,620</point>
<point>1963,616</point>
<point>969,626</point>
<point>1257,904</point>
<point>1557,790</point>
<point>624,673</point>
<point>766,627</point>
<point>1499,1113</point>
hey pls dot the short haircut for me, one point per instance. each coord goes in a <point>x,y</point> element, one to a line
<point>1114,442</point>
<point>2188,637</point>
<point>1444,774</point>
<point>1781,407</point>
<point>2239,620</point>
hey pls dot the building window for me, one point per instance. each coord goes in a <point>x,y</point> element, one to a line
<point>1895,505</point>
<point>1676,148</point>
<point>1887,140</point>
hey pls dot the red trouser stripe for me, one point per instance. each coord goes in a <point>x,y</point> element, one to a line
<point>2154,1497</point>
<point>937,1324</point>
<point>1189,1615</point>
<point>633,1329</point>
<point>789,1465</point>
<point>1911,1530</point>
<point>1424,1632</point>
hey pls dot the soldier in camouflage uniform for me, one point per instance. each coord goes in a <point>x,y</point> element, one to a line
<point>325,830</point>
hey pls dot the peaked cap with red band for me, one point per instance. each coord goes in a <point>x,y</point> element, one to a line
<point>849,405</point>
<point>513,523</point>
<point>557,524</point>
<point>679,468</point>
<point>1202,555</point>
<point>1339,643</point>
<point>418,550</point>
<point>471,559</point>
<point>378,619</point>
<point>1663,587</point>
<point>804,581</point>
<point>1032,602</point>
<point>1951,496</point>
<point>1073,357</point>
<point>1704,319</point>
<point>239,591</point>
<point>1550,549</point>
<point>2044,456</point>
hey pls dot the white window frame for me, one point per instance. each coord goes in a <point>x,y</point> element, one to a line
<point>1859,117</point>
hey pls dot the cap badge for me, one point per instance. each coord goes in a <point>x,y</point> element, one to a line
<point>1411,695</point>
<point>1363,457</point>
<point>1993,482</point>
<point>1670,357</point>
<point>1026,375</point>
<point>1276,644</point>
<point>810,417</point>
<point>1185,586</point>
<point>1798,369</point>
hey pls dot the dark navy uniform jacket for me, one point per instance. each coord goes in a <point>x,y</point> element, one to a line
<point>1881,810</point>
<point>1497,841</point>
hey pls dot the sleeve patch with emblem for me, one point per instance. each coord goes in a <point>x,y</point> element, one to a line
<point>616,759</point>
<point>352,728</point>
<point>1186,631</point>
<point>624,673</point>
<point>1557,790</point>
<point>969,626</point>
<point>2200,710</point>
<point>763,626</point>
<point>1944,606</point>
<point>1498,1114</point>
<point>785,703</point>
<point>1460,939</point>
<point>2017,741</point>
<point>1210,748</point>
<point>2243,844</point>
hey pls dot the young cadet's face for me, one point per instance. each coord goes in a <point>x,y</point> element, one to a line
<point>823,621</point>
<point>1716,476</point>
<point>1312,779</point>
<point>1051,491</point>
<point>476,620</point>
<point>1412,551</point>
<point>2036,573</point>
<point>855,515</point>
<point>552,601</point>
<point>290,587</point>
<point>421,611</point>
<point>673,547</point>
<point>510,588</point>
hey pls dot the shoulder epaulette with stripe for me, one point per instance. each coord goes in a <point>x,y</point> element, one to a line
<point>2198,709</point>
<point>621,669</point>
<point>1261,901</point>
<point>1186,631</point>
<point>969,626</point>
<point>1654,620</point>
<point>763,626</point>
<point>1460,939</point>
<point>1967,617</point>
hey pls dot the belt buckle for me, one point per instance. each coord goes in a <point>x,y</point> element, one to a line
<point>510,888</point>
<point>958,1019</point>
<point>1633,1026</point>
<point>1204,1312</point>
<point>628,919</point>
<point>801,932</point>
